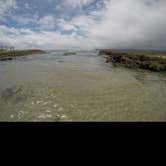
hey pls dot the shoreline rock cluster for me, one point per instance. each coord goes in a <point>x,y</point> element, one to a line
<point>10,55</point>
<point>152,61</point>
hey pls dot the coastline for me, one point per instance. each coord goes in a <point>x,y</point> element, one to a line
<point>10,55</point>
<point>134,59</point>
<point>147,60</point>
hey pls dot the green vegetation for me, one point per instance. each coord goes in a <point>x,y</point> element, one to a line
<point>154,61</point>
<point>9,55</point>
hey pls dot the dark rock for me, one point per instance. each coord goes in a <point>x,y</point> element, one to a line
<point>69,53</point>
<point>148,61</point>
<point>13,95</point>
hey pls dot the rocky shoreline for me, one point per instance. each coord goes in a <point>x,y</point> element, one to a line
<point>153,61</point>
<point>10,55</point>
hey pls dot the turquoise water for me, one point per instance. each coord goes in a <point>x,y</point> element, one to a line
<point>80,87</point>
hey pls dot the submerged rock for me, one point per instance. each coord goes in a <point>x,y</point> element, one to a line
<point>48,111</point>
<point>11,116</point>
<point>138,60</point>
<point>45,116</point>
<point>55,105</point>
<point>69,53</point>
<point>14,95</point>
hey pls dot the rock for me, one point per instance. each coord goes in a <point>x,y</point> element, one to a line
<point>14,95</point>
<point>60,109</point>
<point>33,103</point>
<point>49,116</point>
<point>64,117</point>
<point>69,53</point>
<point>39,102</point>
<point>55,106</point>
<point>137,59</point>
<point>45,116</point>
<point>11,116</point>
<point>48,111</point>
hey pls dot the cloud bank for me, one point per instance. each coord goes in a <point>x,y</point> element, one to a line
<point>84,24</point>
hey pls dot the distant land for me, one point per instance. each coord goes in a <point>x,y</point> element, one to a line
<point>134,50</point>
<point>153,60</point>
<point>10,55</point>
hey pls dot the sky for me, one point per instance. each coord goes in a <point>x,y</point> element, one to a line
<point>83,24</point>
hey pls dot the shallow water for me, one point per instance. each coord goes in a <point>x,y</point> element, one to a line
<point>79,87</point>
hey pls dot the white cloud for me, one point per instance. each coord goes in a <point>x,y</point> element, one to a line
<point>5,5</point>
<point>47,22</point>
<point>5,8</point>
<point>77,3</point>
<point>132,24</point>
<point>66,26</point>
<point>25,19</point>
<point>122,24</point>
<point>127,24</point>
<point>25,38</point>
<point>27,6</point>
